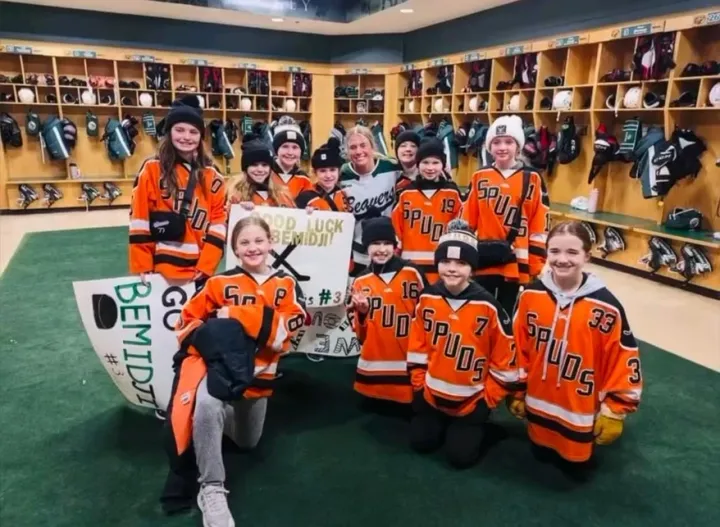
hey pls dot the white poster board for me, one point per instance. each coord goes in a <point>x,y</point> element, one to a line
<point>314,248</point>
<point>130,326</point>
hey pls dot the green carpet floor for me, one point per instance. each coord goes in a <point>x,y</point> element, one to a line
<point>75,454</point>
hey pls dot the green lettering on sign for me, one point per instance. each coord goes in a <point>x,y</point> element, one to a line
<point>636,30</point>
<point>20,50</point>
<point>515,50</point>
<point>293,69</point>
<point>84,54</point>
<point>436,62</point>
<point>357,71</point>
<point>197,62</point>
<point>407,67</point>
<point>142,58</point>
<point>567,41</point>
<point>247,65</point>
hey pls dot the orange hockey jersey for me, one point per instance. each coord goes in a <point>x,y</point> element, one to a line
<point>490,208</point>
<point>206,227</point>
<point>263,198</point>
<point>581,359</point>
<point>420,217</point>
<point>271,309</point>
<point>318,198</point>
<point>461,350</point>
<point>295,181</point>
<point>384,330</point>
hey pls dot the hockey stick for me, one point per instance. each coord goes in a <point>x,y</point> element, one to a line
<point>281,259</point>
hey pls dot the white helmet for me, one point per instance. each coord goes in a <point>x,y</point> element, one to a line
<point>88,97</point>
<point>145,99</point>
<point>411,106</point>
<point>26,95</point>
<point>245,104</point>
<point>514,104</point>
<point>714,97</point>
<point>201,101</point>
<point>562,100</point>
<point>473,104</point>
<point>633,98</point>
<point>440,106</point>
<point>290,105</point>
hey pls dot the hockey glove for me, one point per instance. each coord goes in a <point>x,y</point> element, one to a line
<point>516,407</point>
<point>608,427</point>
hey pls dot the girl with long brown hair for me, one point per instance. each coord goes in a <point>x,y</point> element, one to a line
<point>177,213</point>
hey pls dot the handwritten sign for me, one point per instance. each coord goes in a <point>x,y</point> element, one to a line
<point>472,57</point>
<point>20,50</point>
<point>84,54</point>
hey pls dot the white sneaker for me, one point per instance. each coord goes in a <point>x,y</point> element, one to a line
<point>213,504</point>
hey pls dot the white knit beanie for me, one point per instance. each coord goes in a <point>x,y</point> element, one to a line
<point>507,125</point>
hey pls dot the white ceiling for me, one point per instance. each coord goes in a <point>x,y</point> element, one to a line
<point>426,13</point>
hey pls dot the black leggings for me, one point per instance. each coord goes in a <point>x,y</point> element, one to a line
<point>462,436</point>
<point>505,292</point>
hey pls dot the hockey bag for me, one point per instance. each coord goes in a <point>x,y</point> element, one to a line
<point>10,131</point>
<point>684,219</point>
<point>612,242</point>
<point>678,158</point>
<point>661,255</point>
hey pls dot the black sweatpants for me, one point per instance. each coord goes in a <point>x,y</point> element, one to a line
<point>504,292</point>
<point>462,437</point>
<point>578,471</point>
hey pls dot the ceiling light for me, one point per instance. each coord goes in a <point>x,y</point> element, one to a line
<point>277,20</point>
<point>407,11</point>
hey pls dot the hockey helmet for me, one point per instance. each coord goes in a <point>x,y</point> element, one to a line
<point>633,98</point>
<point>26,95</point>
<point>514,104</point>
<point>714,97</point>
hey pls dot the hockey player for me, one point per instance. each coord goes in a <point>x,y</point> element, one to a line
<point>461,354</point>
<point>269,307</point>
<point>384,297</point>
<point>368,181</point>
<point>177,213</point>
<point>425,208</point>
<point>255,186</point>
<point>512,244</point>
<point>325,194</point>
<point>289,144</point>
<point>406,147</point>
<point>582,361</point>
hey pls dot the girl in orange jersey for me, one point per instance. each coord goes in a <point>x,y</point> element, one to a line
<point>582,361</point>
<point>383,298</point>
<point>255,186</point>
<point>269,307</point>
<point>326,194</point>
<point>289,144</point>
<point>512,243</point>
<point>461,355</point>
<point>177,211</point>
<point>425,207</point>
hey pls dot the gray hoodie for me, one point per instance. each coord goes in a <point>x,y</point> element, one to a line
<point>590,284</point>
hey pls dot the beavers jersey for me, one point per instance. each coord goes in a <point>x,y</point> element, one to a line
<point>203,244</point>
<point>461,350</point>
<point>316,197</point>
<point>296,181</point>
<point>384,330</point>
<point>590,359</point>
<point>490,209</point>
<point>421,216</point>
<point>270,308</point>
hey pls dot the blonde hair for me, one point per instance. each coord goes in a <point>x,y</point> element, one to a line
<point>364,131</point>
<point>242,188</point>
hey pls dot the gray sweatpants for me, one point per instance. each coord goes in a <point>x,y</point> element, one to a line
<point>243,420</point>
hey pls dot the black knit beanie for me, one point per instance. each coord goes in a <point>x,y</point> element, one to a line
<point>458,243</point>
<point>288,133</point>
<point>328,155</point>
<point>407,135</point>
<point>431,148</point>
<point>185,110</point>
<point>378,230</point>
<point>254,151</point>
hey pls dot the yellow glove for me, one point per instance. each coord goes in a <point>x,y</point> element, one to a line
<point>608,427</point>
<point>516,407</point>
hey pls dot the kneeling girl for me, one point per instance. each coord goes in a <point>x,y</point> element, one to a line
<point>269,308</point>
<point>461,354</point>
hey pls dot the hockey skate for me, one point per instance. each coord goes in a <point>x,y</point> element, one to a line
<point>51,195</point>
<point>27,195</point>
<point>112,192</point>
